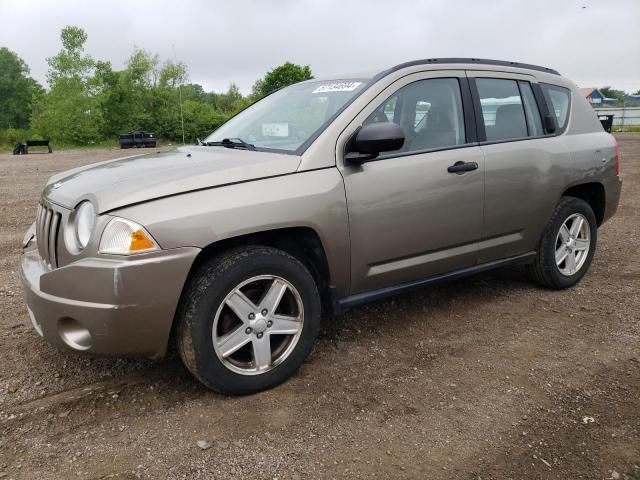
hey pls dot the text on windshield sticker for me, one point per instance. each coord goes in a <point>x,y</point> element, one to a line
<point>337,87</point>
<point>275,129</point>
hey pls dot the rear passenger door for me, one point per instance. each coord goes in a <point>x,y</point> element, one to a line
<point>525,167</point>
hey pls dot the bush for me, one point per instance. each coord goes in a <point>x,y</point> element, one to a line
<point>10,136</point>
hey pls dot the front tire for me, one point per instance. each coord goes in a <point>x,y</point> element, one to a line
<point>248,320</point>
<point>567,245</point>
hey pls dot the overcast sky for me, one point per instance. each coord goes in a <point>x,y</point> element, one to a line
<point>239,40</point>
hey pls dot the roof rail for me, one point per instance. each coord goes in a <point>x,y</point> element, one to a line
<point>481,61</point>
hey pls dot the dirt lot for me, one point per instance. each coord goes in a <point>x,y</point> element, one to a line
<point>490,377</point>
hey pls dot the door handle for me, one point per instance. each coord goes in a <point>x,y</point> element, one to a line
<point>461,167</point>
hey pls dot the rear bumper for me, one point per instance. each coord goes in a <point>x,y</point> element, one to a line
<point>612,189</point>
<point>107,306</point>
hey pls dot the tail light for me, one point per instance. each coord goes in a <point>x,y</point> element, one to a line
<point>617,156</point>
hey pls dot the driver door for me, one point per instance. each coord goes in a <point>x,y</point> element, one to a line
<point>409,217</point>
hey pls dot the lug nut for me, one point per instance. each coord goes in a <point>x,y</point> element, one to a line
<point>248,330</point>
<point>264,312</point>
<point>269,324</point>
<point>260,335</point>
<point>252,316</point>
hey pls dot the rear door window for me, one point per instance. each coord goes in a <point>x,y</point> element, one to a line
<point>560,103</point>
<point>534,121</point>
<point>502,109</point>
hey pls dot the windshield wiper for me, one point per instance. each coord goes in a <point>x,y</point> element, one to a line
<point>232,143</point>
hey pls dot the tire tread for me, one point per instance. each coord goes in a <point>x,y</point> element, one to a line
<point>200,281</point>
<point>541,268</point>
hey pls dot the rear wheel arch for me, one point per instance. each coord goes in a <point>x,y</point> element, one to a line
<point>594,194</point>
<point>553,247</point>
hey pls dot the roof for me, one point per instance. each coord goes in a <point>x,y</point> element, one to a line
<point>587,91</point>
<point>376,75</point>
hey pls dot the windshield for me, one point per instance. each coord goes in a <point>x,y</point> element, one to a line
<point>287,118</point>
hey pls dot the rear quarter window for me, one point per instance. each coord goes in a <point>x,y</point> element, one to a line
<point>559,101</point>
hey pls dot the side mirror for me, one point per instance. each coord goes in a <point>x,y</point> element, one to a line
<point>370,140</point>
<point>549,123</point>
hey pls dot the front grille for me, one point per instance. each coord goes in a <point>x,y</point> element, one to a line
<point>47,226</point>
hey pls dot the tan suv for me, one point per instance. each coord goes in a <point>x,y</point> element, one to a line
<point>322,195</point>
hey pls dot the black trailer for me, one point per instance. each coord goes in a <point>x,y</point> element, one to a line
<point>22,148</point>
<point>137,139</point>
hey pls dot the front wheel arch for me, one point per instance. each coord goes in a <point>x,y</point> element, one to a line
<point>302,243</point>
<point>206,293</point>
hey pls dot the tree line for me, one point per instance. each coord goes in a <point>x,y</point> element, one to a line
<point>88,102</point>
<point>620,97</point>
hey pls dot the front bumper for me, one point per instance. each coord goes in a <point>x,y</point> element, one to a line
<point>107,306</point>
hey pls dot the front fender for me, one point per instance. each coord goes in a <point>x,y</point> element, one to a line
<point>314,199</point>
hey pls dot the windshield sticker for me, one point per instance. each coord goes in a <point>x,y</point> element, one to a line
<point>275,129</point>
<point>337,87</point>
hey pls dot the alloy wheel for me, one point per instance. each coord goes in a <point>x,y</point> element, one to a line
<point>258,325</point>
<point>572,244</point>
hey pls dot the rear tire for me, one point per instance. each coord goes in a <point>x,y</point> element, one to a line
<point>567,245</point>
<point>247,320</point>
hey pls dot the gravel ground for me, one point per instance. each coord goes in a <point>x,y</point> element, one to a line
<point>487,377</point>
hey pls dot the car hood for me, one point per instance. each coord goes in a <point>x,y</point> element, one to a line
<point>117,183</point>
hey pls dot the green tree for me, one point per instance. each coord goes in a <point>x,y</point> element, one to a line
<point>199,120</point>
<point>126,97</point>
<point>88,101</point>
<point>70,111</point>
<point>227,101</point>
<point>70,62</point>
<point>612,93</point>
<point>133,91</point>
<point>142,68</point>
<point>17,90</point>
<point>173,74</point>
<point>196,92</point>
<point>112,98</point>
<point>282,76</point>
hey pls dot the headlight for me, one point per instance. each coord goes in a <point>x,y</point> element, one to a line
<point>85,220</point>
<point>124,237</point>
